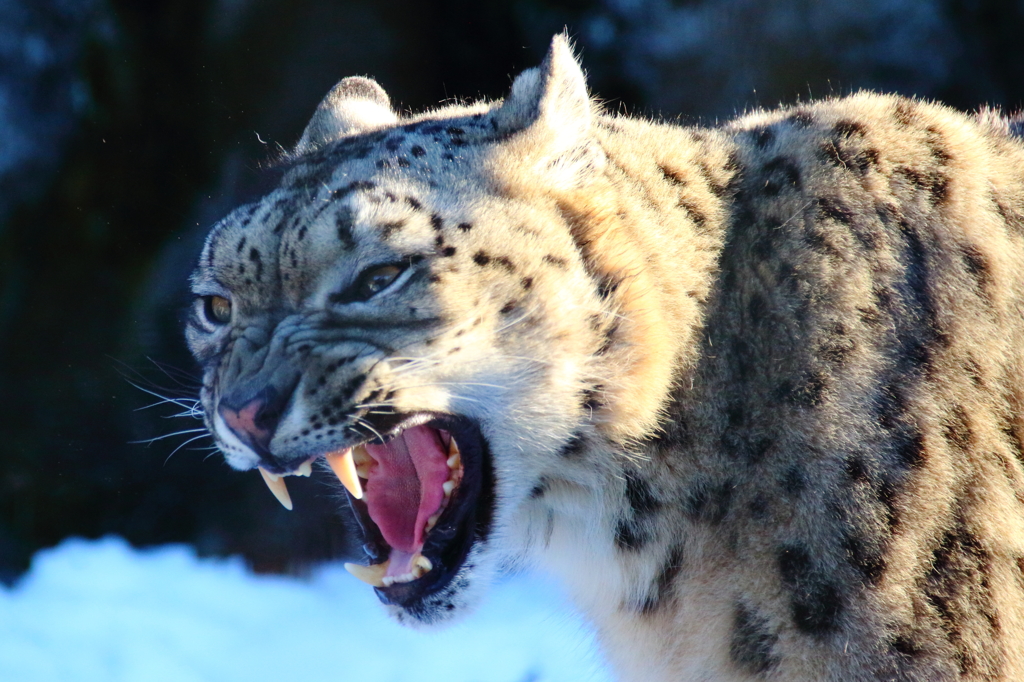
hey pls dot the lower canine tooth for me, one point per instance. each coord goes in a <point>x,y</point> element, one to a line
<point>371,575</point>
<point>345,469</point>
<point>421,565</point>
<point>277,486</point>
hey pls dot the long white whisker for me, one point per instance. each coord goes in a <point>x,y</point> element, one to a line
<point>150,441</point>
<point>369,426</point>
<point>190,440</point>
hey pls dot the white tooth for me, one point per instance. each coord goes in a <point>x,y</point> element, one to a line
<point>453,449</point>
<point>277,486</point>
<point>448,487</point>
<point>432,521</point>
<point>363,461</point>
<point>387,581</point>
<point>371,575</point>
<point>306,468</point>
<point>421,565</point>
<point>345,469</point>
<point>454,461</point>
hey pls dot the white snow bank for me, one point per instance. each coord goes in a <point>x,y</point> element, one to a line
<point>104,612</point>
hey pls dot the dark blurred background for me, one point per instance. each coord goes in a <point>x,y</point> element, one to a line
<point>128,127</point>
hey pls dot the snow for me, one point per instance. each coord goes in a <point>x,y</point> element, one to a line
<point>103,611</point>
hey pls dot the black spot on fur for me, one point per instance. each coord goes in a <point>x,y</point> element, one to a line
<point>763,136</point>
<point>910,448</point>
<point>508,307</point>
<point>856,469</point>
<point>800,119</point>
<point>672,176</point>
<point>867,559</point>
<point>417,150</point>
<point>356,186</point>
<point>816,601</point>
<point>848,129</point>
<point>837,346</point>
<point>632,531</point>
<point>780,174</point>
<point>538,491</point>
<point>834,209</point>
<point>752,641</point>
<point>936,143</point>
<point>436,222</point>
<point>254,257</point>
<point>574,447</point>
<point>504,262</point>
<point>696,215</point>
<point>976,263</point>
<point>481,258</point>
<point>708,502</point>
<point>414,203</point>
<point>807,391</point>
<point>661,591</point>
<point>906,646</point>
<point>935,183</point>
<point>526,283</point>
<point>956,429</point>
<point>389,228</point>
<point>794,480</point>
<point>958,587</point>
<point>560,263</point>
<point>639,495</point>
<point>904,112</point>
<point>344,222</point>
<point>591,398</point>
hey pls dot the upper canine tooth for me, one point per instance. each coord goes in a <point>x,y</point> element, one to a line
<point>453,449</point>
<point>277,486</point>
<point>371,575</point>
<point>345,469</point>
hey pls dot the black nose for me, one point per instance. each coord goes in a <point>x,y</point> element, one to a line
<point>254,418</point>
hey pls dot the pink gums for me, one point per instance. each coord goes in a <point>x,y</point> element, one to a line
<point>404,489</point>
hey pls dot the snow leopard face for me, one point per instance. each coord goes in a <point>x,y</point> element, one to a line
<point>393,309</point>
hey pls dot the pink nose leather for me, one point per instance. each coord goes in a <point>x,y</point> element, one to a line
<point>243,422</point>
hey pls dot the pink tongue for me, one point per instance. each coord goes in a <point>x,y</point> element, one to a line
<point>404,489</point>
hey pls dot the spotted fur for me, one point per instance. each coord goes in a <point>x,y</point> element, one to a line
<point>754,391</point>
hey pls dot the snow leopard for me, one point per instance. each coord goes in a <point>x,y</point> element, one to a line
<point>753,391</point>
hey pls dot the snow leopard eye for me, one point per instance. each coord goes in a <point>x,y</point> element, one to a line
<point>376,279</point>
<point>216,310</point>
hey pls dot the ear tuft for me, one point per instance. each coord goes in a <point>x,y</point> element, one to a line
<point>352,106</point>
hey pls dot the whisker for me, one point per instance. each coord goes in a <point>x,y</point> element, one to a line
<point>150,441</point>
<point>190,440</point>
<point>369,426</point>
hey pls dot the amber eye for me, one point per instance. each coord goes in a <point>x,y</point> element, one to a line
<point>217,309</point>
<point>375,280</point>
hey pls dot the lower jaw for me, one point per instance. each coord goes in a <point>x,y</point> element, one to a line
<point>409,578</point>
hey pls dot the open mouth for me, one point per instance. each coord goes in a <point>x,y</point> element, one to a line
<point>422,497</point>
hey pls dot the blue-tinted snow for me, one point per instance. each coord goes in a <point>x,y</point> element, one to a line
<point>102,611</point>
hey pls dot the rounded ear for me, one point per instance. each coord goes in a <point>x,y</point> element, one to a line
<point>550,106</point>
<point>352,106</point>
